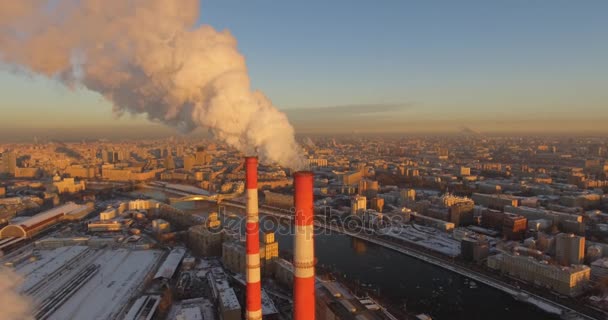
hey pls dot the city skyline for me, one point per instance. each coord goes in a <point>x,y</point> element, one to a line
<point>417,68</point>
<point>317,160</point>
<point>458,227</point>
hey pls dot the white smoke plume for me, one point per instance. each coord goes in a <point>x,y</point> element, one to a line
<point>13,305</point>
<point>149,56</point>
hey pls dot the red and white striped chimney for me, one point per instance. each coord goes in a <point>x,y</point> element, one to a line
<point>254,287</point>
<point>304,249</point>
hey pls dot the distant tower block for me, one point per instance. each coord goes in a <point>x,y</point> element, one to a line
<point>304,255</point>
<point>254,287</point>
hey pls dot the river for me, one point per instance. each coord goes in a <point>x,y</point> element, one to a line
<point>406,282</point>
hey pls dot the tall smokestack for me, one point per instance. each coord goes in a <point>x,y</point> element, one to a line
<point>254,287</point>
<point>304,249</point>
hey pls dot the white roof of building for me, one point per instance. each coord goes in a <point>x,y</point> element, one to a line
<point>229,300</point>
<point>138,310</point>
<point>189,313</point>
<point>167,269</point>
<point>187,188</point>
<point>268,306</point>
<point>600,263</point>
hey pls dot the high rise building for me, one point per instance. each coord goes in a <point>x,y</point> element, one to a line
<point>179,151</point>
<point>408,195</point>
<point>189,162</point>
<point>377,204</point>
<point>474,249</point>
<point>109,156</point>
<point>514,226</point>
<point>169,163</point>
<point>569,249</point>
<point>368,188</point>
<point>123,155</point>
<point>358,204</point>
<point>9,162</point>
<point>200,156</point>
<point>465,171</point>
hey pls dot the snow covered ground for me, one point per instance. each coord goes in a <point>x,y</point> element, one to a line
<point>48,263</point>
<point>426,237</point>
<point>102,296</point>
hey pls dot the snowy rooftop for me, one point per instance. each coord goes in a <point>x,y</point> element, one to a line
<point>187,188</point>
<point>192,309</point>
<point>50,262</point>
<point>143,308</point>
<point>170,264</point>
<point>229,300</point>
<point>190,313</point>
<point>600,263</point>
<point>268,306</point>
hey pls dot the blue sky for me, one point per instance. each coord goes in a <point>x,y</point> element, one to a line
<point>452,63</point>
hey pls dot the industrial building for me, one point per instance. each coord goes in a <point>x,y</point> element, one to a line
<point>169,266</point>
<point>224,295</point>
<point>143,308</point>
<point>193,309</point>
<point>31,226</point>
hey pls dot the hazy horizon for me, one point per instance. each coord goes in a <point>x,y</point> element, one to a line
<point>406,67</point>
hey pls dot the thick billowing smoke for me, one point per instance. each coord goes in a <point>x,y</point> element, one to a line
<point>149,56</point>
<point>12,304</point>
